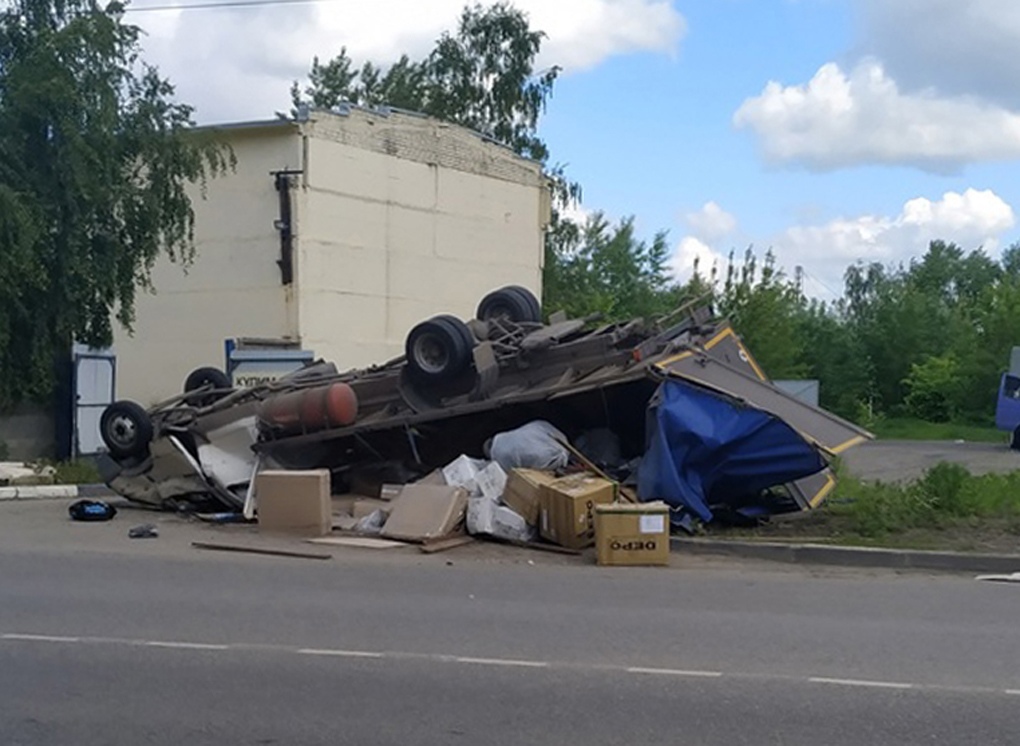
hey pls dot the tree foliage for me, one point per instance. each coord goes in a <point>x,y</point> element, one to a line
<point>599,268</point>
<point>483,77</point>
<point>94,161</point>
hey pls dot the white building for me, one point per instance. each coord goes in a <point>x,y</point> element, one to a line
<point>393,218</point>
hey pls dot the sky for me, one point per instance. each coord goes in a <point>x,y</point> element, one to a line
<point>829,131</point>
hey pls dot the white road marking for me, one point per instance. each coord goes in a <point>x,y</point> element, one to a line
<point>340,653</point>
<point>395,655</point>
<point>502,662</point>
<point>41,638</point>
<point>676,672</point>
<point>859,682</point>
<point>184,645</point>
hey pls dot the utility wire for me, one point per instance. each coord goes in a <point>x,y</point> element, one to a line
<point>221,4</point>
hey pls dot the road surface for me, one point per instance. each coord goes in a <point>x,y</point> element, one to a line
<point>109,641</point>
<point>895,460</point>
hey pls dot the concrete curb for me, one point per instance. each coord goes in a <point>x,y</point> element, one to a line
<point>823,554</point>
<point>54,491</point>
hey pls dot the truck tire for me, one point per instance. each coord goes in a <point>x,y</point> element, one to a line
<point>1014,439</point>
<point>439,349</point>
<point>126,429</point>
<point>200,378</point>
<point>511,302</point>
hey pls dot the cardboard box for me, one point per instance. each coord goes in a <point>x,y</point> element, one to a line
<point>294,502</point>
<point>629,534</point>
<point>523,492</point>
<point>425,511</point>
<point>566,515</point>
<point>368,505</point>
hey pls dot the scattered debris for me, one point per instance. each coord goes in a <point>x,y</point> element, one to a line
<point>673,410</point>
<point>441,545</point>
<point>259,550</point>
<point>145,531</point>
<point>364,542</point>
<point>1011,578</point>
<point>91,510</point>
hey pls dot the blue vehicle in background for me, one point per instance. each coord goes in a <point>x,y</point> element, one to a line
<point>1007,405</point>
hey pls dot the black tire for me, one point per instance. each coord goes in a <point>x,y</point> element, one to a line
<point>126,429</point>
<point>536,306</point>
<point>511,302</point>
<point>213,378</point>
<point>438,349</point>
<point>463,329</point>
<point>1014,439</point>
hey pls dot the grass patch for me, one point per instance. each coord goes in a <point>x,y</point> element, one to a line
<point>79,471</point>
<point>905,428</point>
<point>946,509</point>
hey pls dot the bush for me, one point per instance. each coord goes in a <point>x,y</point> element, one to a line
<point>947,494</point>
<point>933,388</point>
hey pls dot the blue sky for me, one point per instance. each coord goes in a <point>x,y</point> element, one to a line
<point>830,130</point>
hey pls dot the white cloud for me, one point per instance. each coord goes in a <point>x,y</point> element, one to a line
<point>972,219</point>
<point>711,222</point>
<point>838,119</point>
<point>238,63</point>
<point>693,253</point>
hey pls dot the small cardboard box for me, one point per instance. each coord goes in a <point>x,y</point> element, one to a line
<point>632,534</point>
<point>425,511</point>
<point>524,491</point>
<point>294,502</point>
<point>566,515</point>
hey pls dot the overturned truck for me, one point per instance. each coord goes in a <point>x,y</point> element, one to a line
<point>688,415</point>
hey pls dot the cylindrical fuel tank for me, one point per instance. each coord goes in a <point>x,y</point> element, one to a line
<point>309,410</point>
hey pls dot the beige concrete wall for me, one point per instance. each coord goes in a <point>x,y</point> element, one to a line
<point>232,289</point>
<point>403,218</point>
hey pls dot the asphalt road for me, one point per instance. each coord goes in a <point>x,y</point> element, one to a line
<point>153,642</point>
<point>895,460</point>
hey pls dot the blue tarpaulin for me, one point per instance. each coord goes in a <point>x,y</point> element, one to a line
<point>706,449</point>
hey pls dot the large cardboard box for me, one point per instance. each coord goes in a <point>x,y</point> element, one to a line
<point>566,511</point>
<point>523,492</point>
<point>294,502</point>
<point>425,511</point>
<point>629,534</point>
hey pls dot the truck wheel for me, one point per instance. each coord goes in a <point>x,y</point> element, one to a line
<point>126,429</point>
<point>439,349</point>
<point>511,302</point>
<point>213,378</point>
<point>1014,439</point>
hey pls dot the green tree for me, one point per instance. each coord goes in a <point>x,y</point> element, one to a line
<point>94,161</point>
<point>483,77</point>
<point>932,387</point>
<point>764,307</point>
<point>599,268</point>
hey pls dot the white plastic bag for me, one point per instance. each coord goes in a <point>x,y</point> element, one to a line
<point>531,446</point>
<point>371,524</point>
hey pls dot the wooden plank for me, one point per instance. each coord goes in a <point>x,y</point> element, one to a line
<point>441,545</point>
<point>259,550</point>
<point>363,542</point>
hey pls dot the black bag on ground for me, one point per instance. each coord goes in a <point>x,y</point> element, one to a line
<point>91,510</point>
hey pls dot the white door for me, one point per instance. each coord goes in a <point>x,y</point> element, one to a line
<point>94,382</point>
